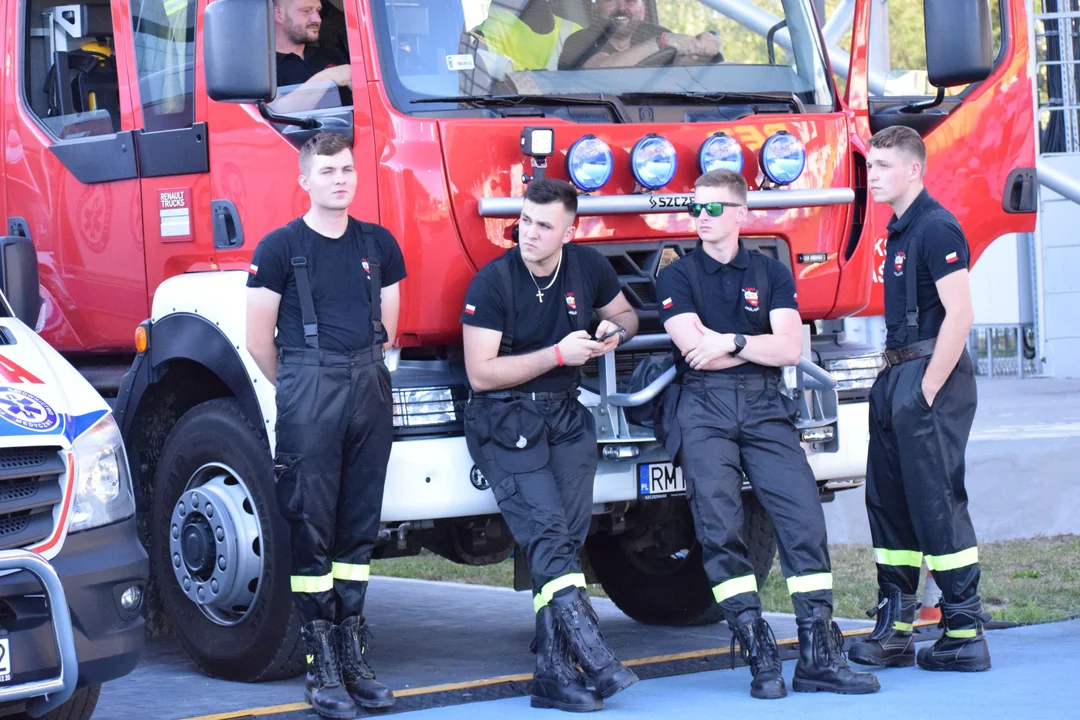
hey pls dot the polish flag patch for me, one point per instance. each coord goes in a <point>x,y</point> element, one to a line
<point>253,268</point>
<point>667,304</point>
<point>951,257</point>
<point>470,309</point>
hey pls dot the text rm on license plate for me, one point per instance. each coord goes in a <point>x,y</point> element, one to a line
<point>658,480</point>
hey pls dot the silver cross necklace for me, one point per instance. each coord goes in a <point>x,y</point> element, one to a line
<point>539,290</point>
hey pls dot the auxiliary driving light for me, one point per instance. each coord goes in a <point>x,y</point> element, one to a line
<point>720,152</point>
<point>538,142</point>
<point>783,158</point>
<point>653,161</point>
<point>589,163</point>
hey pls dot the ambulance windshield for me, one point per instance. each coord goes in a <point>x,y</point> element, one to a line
<point>432,49</point>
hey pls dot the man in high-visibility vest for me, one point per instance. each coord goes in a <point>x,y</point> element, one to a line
<point>526,32</point>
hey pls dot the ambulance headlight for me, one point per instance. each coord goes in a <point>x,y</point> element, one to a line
<point>720,152</point>
<point>783,158</point>
<point>589,163</point>
<point>654,161</point>
<point>425,406</point>
<point>102,490</point>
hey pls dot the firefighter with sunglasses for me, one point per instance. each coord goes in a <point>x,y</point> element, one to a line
<point>733,317</point>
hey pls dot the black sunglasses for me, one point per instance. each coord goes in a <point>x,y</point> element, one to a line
<point>716,209</point>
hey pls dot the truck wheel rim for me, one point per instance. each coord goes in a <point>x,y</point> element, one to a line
<point>215,544</point>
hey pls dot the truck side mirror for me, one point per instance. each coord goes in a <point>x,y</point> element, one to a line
<point>19,275</point>
<point>239,58</point>
<point>959,41</point>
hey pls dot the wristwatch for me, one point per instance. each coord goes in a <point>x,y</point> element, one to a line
<point>622,334</point>
<point>740,343</point>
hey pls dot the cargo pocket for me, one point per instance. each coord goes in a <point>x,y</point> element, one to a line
<point>790,406</point>
<point>290,496</point>
<point>504,487</point>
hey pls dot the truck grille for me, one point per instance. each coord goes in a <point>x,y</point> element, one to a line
<point>30,487</point>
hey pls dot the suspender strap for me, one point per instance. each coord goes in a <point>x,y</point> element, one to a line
<point>307,303</point>
<point>573,276</point>
<point>911,332</point>
<point>375,273</point>
<point>503,267</point>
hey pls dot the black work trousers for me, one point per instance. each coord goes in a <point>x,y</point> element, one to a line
<point>548,510</point>
<point>334,430</point>
<point>735,424</point>
<point>915,493</point>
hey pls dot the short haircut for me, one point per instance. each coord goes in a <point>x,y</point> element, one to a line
<point>727,179</point>
<point>903,138</point>
<point>324,143</point>
<point>545,191</point>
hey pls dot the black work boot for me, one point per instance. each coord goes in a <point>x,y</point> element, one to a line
<point>822,665</point>
<point>576,620</point>
<point>757,645</point>
<point>323,687</point>
<point>891,644</point>
<point>354,640</point>
<point>557,682</point>
<point>962,647</point>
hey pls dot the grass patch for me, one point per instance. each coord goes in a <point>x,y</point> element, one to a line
<point>1023,581</point>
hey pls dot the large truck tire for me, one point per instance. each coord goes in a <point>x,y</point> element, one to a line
<point>80,706</point>
<point>219,533</point>
<point>671,589</point>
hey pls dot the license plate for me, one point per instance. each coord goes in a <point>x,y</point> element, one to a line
<point>659,480</point>
<point>5,660</point>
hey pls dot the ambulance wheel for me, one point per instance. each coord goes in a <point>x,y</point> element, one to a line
<point>657,586</point>
<point>220,550</point>
<point>80,706</point>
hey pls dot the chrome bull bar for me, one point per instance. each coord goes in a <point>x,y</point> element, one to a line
<point>811,387</point>
<point>45,695</point>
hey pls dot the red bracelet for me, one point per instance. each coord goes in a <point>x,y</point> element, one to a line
<point>558,356</point>
<point>662,41</point>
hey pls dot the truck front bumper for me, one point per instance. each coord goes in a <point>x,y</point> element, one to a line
<point>95,568</point>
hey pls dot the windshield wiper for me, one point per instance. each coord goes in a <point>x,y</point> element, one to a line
<point>720,98</point>
<point>482,101</point>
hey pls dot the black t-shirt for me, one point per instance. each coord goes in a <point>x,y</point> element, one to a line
<point>733,295</point>
<point>942,249</point>
<point>539,325</point>
<point>293,70</point>
<point>583,44</point>
<point>340,282</point>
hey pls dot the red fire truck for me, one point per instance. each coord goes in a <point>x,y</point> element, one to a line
<point>149,148</point>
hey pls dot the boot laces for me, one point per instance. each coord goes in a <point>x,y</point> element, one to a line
<point>327,669</point>
<point>829,642</point>
<point>355,642</point>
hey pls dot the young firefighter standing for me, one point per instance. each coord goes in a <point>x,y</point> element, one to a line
<point>328,283</point>
<point>525,337</point>
<point>734,316</point>
<point>921,409</point>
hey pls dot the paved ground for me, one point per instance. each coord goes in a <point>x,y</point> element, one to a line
<point>426,634</point>
<point>1034,677</point>
<point>1022,459</point>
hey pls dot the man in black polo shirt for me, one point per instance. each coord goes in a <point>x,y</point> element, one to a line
<point>620,37</point>
<point>733,315</point>
<point>921,409</point>
<point>525,337</point>
<point>329,285</point>
<point>304,70</point>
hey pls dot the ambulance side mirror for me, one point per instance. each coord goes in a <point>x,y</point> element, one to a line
<point>19,274</point>
<point>959,41</point>
<point>239,59</point>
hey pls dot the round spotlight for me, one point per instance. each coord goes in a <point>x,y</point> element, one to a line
<point>589,163</point>
<point>720,152</point>
<point>653,161</point>
<point>783,158</point>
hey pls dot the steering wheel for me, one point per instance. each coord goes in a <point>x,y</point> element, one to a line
<point>660,58</point>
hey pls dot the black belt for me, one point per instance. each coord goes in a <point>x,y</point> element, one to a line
<point>328,358</point>
<point>921,349</point>
<point>567,394</point>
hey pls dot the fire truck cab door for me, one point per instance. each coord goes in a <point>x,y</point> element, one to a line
<point>70,179</point>
<point>979,139</point>
<point>171,138</point>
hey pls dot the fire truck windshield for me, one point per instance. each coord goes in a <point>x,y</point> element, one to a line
<point>456,51</point>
